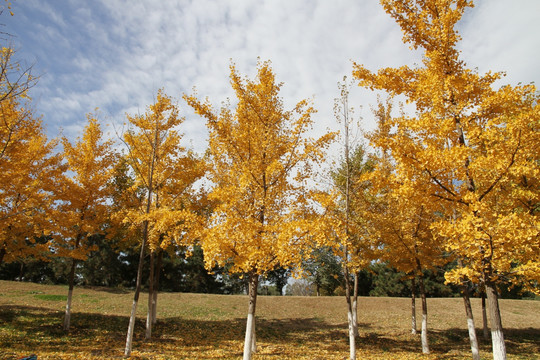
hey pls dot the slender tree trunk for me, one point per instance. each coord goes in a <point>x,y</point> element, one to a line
<point>470,323</point>
<point>2,254</point>
<point>352,339</point>
<point>355,306</point>
<point>424,334</point>
<point>497,337</point>
<point>150,186</point>
<point>254,337</point>
<point>150,312</point>
<point>156,284</point>
<point>21,271</point>
<point>485,328</point>
<point>250,339</point>
<point>132,318</point>
<point>71,281</point>
<point>413,306</point>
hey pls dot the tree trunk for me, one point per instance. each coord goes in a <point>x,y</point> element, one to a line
<point>352,339</point>
<point>470,323</point>
<point>150,184</point>
<point>156,284</point>
<point>2,254</point>
<point>150,312</point>
<point>254,337</point>
<point>21,271</point>
<point>497,337</point>
<point>484,317</point>
<point>424,334</point>
<point>355,306</point>
<point>413,306</point>
<point>71,281</point>
<point>250,339</point>
<point>132,318</point>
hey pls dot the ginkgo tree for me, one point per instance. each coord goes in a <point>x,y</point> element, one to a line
<point>15,77</point>
<point>28,171</point>
<point>473,145</point>
<point>28,165</point>
<point>344,224</point>
<point>81,196</point>
<point>164,174</point>
<point>260,161</point>
<point>401,223</point>
<point>402,229</point>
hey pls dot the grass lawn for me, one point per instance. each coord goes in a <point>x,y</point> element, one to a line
<point>199,326</point>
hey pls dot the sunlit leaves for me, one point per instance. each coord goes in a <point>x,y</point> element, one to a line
<point>28,172</point>
<point>82,194</point>
<point>473,147</point>
<point>164,173</point>
<point>260,160</point>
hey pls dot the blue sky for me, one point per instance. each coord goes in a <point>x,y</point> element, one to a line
<point>115,54</point>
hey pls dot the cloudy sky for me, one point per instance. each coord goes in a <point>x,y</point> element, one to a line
<point>116,54</point>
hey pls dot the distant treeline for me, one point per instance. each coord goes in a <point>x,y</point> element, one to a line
<point>110,268</point>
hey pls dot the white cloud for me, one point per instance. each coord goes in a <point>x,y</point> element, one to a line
<point>498,36</point>
<point>115,55</point>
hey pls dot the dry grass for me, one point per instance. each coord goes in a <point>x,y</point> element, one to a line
<point>198,326</point>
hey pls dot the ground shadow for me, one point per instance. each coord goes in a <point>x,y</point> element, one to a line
<point>517,341</point>
<point>110,290</point>
<point>33,329</point>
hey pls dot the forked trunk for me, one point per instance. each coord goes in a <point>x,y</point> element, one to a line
<point>413,307</point>
<point>150,182</point>
<point>150,312</point>
<point>132,318</point>
<point>71,281</point>
<point>497,337</point>
<point>485,327</point>
<point>424,334</point>
<point>470,323</point>
<point>250,339</point>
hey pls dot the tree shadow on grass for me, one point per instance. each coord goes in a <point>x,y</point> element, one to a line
<point>110,290</point>
<point>34,329</point>
<point>26,329</point>
<point>523,342</point>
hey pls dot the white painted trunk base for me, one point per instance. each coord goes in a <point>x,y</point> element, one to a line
<point>249,339</point>
<point>150,315</point>
<point>497,337</point>
<point>67,316</point>
<point>473,339</point>
<point>352,338</point>
<point>131,327</point>
<point>355,317</point>
<point>499,348</point>
<point>424,335</point>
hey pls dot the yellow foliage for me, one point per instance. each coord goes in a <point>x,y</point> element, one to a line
<point>260,161</point>
<point>82,193</point>
<point>165,173</point>
<point>472,148</point>
<point>27,177</point>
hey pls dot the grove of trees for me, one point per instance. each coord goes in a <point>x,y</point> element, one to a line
<point>441,200</point>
